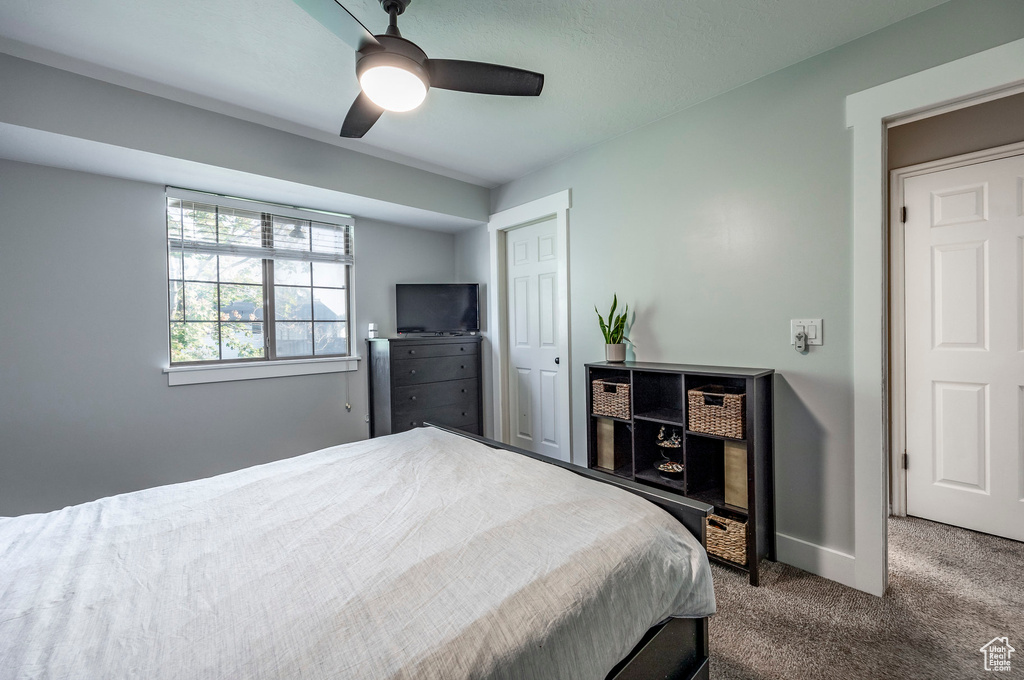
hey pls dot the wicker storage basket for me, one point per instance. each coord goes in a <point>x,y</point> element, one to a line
<point>726,538</point>
<point>611,397</point>
<point>714,410</point>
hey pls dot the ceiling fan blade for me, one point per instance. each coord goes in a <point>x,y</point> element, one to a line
<point>475,76</point>
<point>339,21</point>
<point>361,117</point>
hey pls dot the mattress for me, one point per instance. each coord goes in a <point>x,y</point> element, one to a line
<point>418,555</point>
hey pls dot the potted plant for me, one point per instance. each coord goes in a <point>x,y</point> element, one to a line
<point>614,332</point>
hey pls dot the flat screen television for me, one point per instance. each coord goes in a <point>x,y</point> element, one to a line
<point>437,307</point>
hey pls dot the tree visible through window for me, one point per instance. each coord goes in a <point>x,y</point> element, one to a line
<point>250,285</point>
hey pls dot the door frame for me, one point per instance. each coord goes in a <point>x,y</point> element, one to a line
<point>897,306</point>
<point>500,223</point>
<point>868,113</point>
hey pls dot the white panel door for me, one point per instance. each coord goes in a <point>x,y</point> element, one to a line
<point>535,411</point>
<point>964,241</point>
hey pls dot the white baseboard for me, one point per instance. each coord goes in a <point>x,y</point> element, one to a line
<point>825,562</point>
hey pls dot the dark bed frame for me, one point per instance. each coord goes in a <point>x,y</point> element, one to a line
<point>677,649</point>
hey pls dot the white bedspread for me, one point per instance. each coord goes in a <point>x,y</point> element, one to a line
<point>419,555</point>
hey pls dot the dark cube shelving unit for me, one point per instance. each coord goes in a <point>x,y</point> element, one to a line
<point>658,397</point>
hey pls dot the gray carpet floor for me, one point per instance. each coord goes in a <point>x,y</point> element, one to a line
<point>950,592</point>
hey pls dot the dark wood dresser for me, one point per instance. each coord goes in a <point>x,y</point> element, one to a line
<point>425,379</point>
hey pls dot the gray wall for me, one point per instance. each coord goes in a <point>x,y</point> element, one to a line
<point>722,222</point>
<point>85,410</point>
<point>473,265</point>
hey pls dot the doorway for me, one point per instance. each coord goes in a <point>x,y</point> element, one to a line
<point>957,256</point>
<point>529,320</point>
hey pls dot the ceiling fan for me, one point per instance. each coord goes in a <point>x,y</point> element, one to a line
<point>394,74</point>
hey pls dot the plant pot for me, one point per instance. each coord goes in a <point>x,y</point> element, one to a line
<point>615,354</point>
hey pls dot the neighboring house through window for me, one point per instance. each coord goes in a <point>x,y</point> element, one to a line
<point>256,282</point>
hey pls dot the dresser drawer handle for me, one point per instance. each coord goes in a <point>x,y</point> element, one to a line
<point>463,390</point>
<point>462,349</point>
<point>413,397</point>
<point>412,372</point>
<point>463,413</point>
<point>461,367</point>
<point>412,351</point>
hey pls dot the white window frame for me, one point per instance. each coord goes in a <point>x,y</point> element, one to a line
<point>221,371</point>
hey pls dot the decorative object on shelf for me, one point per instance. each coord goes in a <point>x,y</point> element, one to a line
<point>606,444</point>
<point>735,474</point>
<point>673,442</point>
<point>671,470</point>
<point>371,330</point>
<point>716,410</point>
<point>614,332</point>
<point>610,397</point>
<point>727,538</point>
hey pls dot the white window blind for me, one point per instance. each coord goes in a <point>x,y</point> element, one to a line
<point>252,281</point>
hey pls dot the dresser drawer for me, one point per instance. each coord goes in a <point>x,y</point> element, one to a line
<point>428,395</point>
<point>417,371</point>
<point>447,349</point>
<point>452,416</point>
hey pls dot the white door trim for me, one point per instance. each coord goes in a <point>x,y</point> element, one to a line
<point>897,290</point>
<point>557,206</point>
<point>868,113</point>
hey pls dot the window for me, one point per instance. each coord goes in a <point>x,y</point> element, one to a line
<point>250,282</point>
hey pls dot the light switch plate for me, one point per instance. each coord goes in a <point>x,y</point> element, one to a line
<point>812,327</point>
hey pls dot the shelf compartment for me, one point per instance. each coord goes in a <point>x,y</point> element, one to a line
<point>653,477</point>
<point>624,471</point>
<point>617,434</point>
<point>647,454</point>
<point>667,416</point>
<point>716,497</point>
<point>655,392</point>
<point>691,433</point>
<point>621,420</point>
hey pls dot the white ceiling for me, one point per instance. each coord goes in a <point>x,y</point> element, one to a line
<point>609,66</point>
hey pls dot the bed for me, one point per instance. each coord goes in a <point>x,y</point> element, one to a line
<point>420,555</point>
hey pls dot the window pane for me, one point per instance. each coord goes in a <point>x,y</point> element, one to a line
<point>200,301</point>
<point>294,339</point>
<point>174,269</point>
<point>330,274</point>
<point>328,238</point>
<point>241,303</point>
<point>291,272</point>
<point>240,227</point>
<point>293,303</point>
<point>241,340</point>
<point>329,304</point>
<point>291,234</point>
<point>177,301</point>
<point>194,341</point>
<point>173,218</point>
<point>331,338</point>
<point>199,222</point>
<point>200,266</point>
<point>241,270</point>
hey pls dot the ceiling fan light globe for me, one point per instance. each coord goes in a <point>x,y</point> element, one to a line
<point>393,88</point>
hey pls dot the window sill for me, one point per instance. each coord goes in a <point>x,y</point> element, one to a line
<point>195,375</point>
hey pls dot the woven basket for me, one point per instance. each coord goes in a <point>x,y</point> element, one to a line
<point>730,542</point>
<point>611,397</point>
<point>713,410</point>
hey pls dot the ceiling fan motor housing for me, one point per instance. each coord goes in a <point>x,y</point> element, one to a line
<point>398,5</point>
<point>396,52</point>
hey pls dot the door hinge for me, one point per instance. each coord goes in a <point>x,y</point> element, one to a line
<point>903,214</point>
<point>904,460</point>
